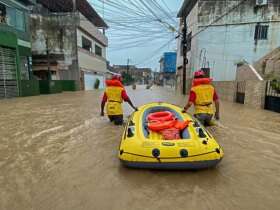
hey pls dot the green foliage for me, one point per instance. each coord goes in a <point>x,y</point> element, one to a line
<point>96,84</point>
<point>127,79</point>
<point>275,84</point>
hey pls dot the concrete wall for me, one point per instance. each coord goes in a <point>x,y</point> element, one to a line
<point>81,34</point>
<point>92,30</point>
<point>90,62</point>
<point>227,45</point>
<point>254,92</point>
<point>269,65</point>
<point>192,22</point>
<point>246,12</point>
<point>57,33</point>
<point>226,90</point>
<point>246,72</point>
<point>231,39</point>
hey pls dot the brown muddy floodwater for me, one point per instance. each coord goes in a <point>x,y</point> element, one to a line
<point>56,153</point>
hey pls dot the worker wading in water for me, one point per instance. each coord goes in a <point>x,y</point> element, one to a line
<point>114,96</point>
<point>203,96</point>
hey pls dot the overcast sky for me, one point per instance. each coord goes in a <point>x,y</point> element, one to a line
<point>159,42</point>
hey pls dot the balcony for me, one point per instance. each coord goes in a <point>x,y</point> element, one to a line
<point>92,30</point>
<point>90,62</point>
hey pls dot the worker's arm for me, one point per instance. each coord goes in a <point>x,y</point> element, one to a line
<point>127,99</point>
<point>189,104</point>
<point>131,104</point>
<point>217,105</point>
<point>191,101</point>
<point>217,113</point>
<point>104,99</point>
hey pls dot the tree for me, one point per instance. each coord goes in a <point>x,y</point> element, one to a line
<point>127,78</point>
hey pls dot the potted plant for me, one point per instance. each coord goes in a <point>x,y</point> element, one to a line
<point>96,84</point>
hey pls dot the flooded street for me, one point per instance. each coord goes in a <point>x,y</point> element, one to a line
<point>57,153</point>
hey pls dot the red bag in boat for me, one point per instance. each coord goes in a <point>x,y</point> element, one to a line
<point>171,134</point>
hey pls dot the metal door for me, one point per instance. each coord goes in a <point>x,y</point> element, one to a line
<point>8,73</point>
<point>240,92</point>
<point>272,96</point>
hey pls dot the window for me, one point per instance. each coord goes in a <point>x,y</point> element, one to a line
<point>11,16</point>
<point>98,50</point>
<point>20,20</point>
<point>261,32</point>
<point>24,68</point>
<point>86,44</point>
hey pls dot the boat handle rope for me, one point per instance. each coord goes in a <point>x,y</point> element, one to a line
<point>165,158</point>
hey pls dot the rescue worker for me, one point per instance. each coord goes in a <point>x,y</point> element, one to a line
<point>203,96</point>
<point>114,95</point>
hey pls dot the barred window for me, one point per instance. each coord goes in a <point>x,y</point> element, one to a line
<point>98,50</point>
<point>261,32</point>
<point>86,44</point>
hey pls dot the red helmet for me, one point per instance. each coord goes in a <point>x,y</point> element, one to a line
<point>199,73</point>
<point>117,77</point>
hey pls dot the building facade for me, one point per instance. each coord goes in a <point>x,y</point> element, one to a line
<point>139,75</point>
<point>224,34</point>
<point>15,47</point>
<point>69,42</point>
<point>168,68</point>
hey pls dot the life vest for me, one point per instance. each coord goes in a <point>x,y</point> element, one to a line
<point>114,94</point>
<point>204,96</point>
<point>160,116</point>
<point>161,121</point>
<point>114,82</point>
<point>201,81</point>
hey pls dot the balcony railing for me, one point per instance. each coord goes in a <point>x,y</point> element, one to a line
<point>87,26</point>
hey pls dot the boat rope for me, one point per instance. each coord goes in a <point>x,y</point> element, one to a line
<point>129,153</point>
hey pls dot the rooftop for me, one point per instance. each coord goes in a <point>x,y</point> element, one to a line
<point>82,6</point>
<point>186,8</point>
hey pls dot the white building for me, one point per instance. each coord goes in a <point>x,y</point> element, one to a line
<point>92,45</point>
<point>222,34</point>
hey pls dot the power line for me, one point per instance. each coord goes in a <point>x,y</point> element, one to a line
<point>154,53</point>
<point>138,24</point>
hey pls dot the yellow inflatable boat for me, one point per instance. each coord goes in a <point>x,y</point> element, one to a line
<point>143,148</point>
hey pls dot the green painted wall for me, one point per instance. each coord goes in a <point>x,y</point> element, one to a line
<point>8,39</point>
<point>24,51</point>
<point>69,85</point>
<point>50,87</point>
<point>29,88</point>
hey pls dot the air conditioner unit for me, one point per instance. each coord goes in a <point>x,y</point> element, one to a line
<point>261,2</point>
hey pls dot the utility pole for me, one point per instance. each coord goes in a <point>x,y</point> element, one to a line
<point>185,60</point>
<point>48,59</point>
<point>127,66</point>
<point>74,6</point>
